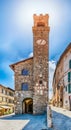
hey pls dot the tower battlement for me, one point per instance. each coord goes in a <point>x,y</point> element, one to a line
<point>41,20</point>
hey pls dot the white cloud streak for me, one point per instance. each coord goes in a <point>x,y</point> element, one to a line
<point>52,67</point>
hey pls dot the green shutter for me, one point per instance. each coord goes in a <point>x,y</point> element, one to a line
<point>69,88</point>
<point>68,76</point>
<point>70,64</point>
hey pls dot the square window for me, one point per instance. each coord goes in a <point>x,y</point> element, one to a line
<point>40,82</point>
<point>25,72</point>
<point>25,86</point>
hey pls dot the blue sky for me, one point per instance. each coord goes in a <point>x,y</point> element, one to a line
<point>16,38</point>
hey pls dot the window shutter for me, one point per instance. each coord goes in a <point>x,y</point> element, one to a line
<point>70,64</point>
<point>69,88</point>
<point>68,76</point>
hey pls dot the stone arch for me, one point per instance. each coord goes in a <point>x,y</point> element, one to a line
<point>27,105</point>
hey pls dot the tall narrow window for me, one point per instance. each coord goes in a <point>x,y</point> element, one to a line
<point>24,86</point>
<point>70,64</point>
<point>25,72</point>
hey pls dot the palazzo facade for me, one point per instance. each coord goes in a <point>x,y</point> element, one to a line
<point>62,80</point>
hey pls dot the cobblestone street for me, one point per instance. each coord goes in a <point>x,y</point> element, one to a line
<point>35,122</point>
<point>23,122</point>
<point>61,118</point>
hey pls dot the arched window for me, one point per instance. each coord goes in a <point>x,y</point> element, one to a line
<point>40,24</point>
<point>25,72</point>
<point>24,87</point>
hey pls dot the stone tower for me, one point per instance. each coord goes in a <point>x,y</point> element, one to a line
<point>40,62</point>
<point>31,75</point>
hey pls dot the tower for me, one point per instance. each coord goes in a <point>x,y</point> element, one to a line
<point>40,63</point>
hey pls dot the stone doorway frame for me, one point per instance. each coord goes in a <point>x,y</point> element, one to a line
<point>26,106</point>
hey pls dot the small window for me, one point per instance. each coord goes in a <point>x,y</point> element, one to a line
<point>6,92</point>
<point>10,100</point>
<point>25,72</point>
<point>4,99</point>
<point>70,64</point>
<point>40,82</point>
<point>24,86</point>
<point>0,99</point>
<point>2,91</point>
<point>61,100</point>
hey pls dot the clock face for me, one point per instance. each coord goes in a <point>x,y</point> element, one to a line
<point>41,42</point>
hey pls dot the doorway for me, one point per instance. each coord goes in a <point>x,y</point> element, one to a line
<point>27,106</point>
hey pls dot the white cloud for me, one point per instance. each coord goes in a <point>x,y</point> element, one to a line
<point>31,54</point>
<point>52,67</point>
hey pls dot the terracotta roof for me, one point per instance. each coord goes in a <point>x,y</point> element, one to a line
<point>10,89</point>
<point>6,87</point>
<point>12,65</point>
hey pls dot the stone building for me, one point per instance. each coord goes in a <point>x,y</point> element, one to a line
<point>31,75</point>
<point>62,80</point>
<point>6,99</point>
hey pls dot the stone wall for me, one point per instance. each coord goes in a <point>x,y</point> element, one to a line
<point>39,104</point>
<point>20,96</point>
<point>40,66</point>
<point>19,78</point>
<point>60,80</point>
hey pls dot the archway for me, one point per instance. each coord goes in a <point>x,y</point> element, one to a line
<point>27,105</point>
